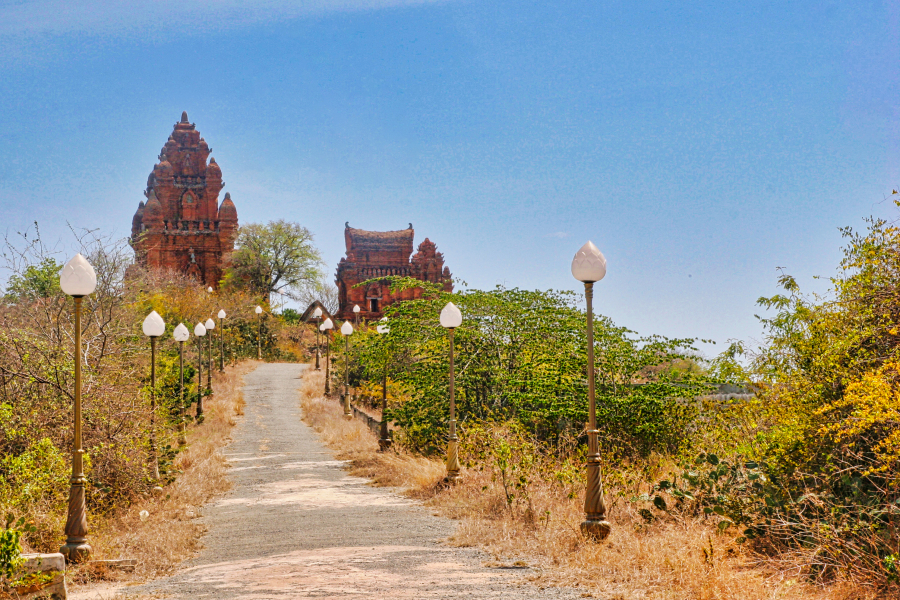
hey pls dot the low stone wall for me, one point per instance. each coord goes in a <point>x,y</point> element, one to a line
<point>372,423</point>
<point>53,586</point>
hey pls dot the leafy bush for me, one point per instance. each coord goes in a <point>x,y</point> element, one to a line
<point>521,356</point>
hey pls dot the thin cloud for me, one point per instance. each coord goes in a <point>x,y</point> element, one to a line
<point>558,234</point>
<point>123,17</point>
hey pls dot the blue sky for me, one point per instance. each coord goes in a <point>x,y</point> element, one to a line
<point>698,147</point>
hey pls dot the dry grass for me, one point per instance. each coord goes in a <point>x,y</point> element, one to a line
<point>170,533</point>
<point>683,559</point>
<point>415,476</point>
<point>675,560</point>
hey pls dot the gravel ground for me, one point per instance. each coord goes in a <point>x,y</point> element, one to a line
<point>295,525</point>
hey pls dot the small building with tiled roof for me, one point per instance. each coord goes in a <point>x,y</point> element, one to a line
<point>372,255</point>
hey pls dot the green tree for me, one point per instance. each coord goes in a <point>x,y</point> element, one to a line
<point>39,280</point>
<point>276,257</point>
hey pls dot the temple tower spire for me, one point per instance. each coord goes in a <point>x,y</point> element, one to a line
<point>181,227</point>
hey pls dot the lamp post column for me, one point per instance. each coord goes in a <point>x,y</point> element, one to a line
<point>181,440</point>
<point>385,442</point>
<point>589,266</point>
<point>259,336</point>
<point>451,318</point>
<point>154,463</point>
<point>199,378</point>
<point>318,368</point>
<point>327,365</point>
<point>200,331</point>
<point>76,548</point>
<point>453,444</point>
<point>348,414</point>
<point>594,525</point>
<point>347,331</point>
<point>222,344</point>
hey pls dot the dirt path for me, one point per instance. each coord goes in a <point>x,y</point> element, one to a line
<point>296,525</point>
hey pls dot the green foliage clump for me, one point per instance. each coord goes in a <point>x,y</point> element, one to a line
<point>814,464</point>
<point>521,357</point>
<point>35,281</point>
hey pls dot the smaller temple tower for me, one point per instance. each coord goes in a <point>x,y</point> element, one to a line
<point>374,254</point>
<point>182,226</point>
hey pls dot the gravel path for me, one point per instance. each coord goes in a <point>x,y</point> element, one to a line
<point>295,525</point>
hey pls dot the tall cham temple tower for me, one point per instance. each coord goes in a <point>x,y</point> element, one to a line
<point>374,254</point>
<point>182,226</point>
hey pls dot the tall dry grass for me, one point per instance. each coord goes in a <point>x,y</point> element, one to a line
<point>415,476</point>
<point>170,532</point>
<point>679,559</point>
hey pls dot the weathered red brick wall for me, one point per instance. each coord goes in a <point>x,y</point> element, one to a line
<point>372,255</point>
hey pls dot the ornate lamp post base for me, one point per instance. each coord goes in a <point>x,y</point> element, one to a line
<point>453,459</point>
<point>76,549</point>
<point>596,531</point>
<point>345,400</point>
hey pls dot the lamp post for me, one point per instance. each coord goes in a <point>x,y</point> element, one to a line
<point>325,327</point>
<point>199,331</point>
<point>317,314</point>
<point>451,318</point>
<point>77,279</point>
<point>347,331</point>
<point>356,314</point>
<point>222,316</point>
<point>259,333</point>
<point>153,327</point>
<point>210,325</point>
<point>589,266</point>
<point>384,442</point>
<point>181,335</point>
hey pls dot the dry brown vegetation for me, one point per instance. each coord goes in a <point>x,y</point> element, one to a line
<point>416,476</point>
<point>169,533</point>
<point>676,559</point>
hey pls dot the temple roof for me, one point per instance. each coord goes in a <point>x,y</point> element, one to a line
<point>356,238</point>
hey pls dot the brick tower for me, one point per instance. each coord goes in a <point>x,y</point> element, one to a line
<point>182,226</point>
<point>374,254</point>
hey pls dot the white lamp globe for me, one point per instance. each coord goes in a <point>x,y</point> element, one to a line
<point>383,328</point>
<point>356,309</point>
<point>222,314</point>
<point>199,330</point>
<point>181,333</point>
<point>210,324</point>
<point>589,264</point>
<point>317,313</point>
<point>259,310</point>
<point>209,289</point>
<point>154,326</point>
<point>322,327</point>
<point>78,278</point>
<point>346,328</point>
<point>328,324</point>
<point>450,316</point>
